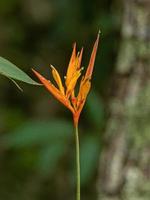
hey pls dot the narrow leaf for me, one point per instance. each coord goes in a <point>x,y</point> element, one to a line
<point>11,71</point>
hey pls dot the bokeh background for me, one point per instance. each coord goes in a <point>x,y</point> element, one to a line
<point>37,151</point>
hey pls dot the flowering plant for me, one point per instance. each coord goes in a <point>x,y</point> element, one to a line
<point>66,94</point>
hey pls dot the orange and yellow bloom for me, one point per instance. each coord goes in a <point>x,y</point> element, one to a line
<point>66,93</point>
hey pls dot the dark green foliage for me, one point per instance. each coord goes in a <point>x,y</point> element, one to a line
<point>36,149</point>
<point>95,110</point>
<point>51,140</point>
<point>39,133</point>
<point>90,149</point>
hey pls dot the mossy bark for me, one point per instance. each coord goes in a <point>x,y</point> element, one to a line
<point>124,172</point>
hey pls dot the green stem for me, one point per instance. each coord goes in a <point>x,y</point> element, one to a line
<point>77,161</point>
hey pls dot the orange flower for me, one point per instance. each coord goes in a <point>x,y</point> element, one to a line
<point>66,94</point>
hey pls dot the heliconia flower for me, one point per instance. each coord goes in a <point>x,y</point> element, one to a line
<point>66,94</point>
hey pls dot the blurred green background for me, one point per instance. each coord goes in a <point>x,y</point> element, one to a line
<point>37,151</point>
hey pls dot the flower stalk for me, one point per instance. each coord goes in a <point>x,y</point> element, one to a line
<point>77,162</point>
<point>66,94</point>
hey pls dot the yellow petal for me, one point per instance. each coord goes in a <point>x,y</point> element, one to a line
<point>79,102</point>
<point>80,58</point>
<point>72,83</point>
<point>83,92</point>
<point>57,78</point>
<point>74,65</point>
<point>54,91</point>
<point>70,69</point>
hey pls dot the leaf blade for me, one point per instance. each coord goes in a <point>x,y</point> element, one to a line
<point>10,70</point>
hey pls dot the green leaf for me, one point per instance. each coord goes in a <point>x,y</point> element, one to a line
<point>39,133</point>
<point>11,71</point>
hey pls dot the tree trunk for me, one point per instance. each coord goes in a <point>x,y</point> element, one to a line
<point>124,172</point>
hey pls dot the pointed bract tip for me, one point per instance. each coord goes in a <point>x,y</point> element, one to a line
<point>99,32</point>
<point>36,73</point>
<point>74,45</point>
<point>82,49</point>
<point>33,70</point>
<point>52,67</point>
